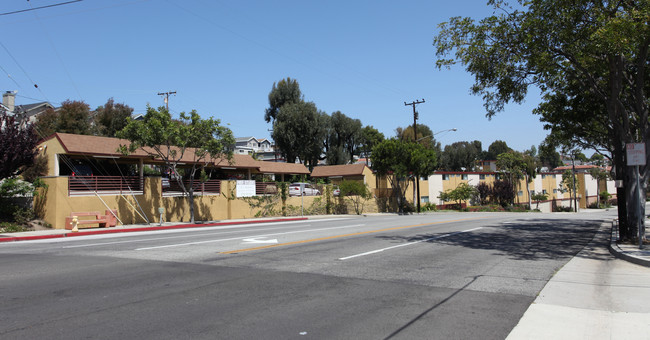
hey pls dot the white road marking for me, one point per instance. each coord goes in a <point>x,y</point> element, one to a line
<point>241,238</point>
<point>407,244</point>
<point>257,240</point>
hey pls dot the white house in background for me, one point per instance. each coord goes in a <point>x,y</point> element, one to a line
<point>262,148</point>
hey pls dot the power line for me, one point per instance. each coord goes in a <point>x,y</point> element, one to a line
<point>35,8</point>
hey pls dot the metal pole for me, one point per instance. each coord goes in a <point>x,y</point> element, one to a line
<point>638,208</point>
<point>573,177</point>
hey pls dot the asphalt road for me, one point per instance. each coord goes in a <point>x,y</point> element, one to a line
<point>431,276</point>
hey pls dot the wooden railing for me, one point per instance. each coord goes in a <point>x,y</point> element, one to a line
<point>210,187</point>
<point>266,188</point>
<point>107,185</point>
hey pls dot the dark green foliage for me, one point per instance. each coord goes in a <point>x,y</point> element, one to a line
<point>111,118</point>
<point>495,149</point>
<point>369,138</point>
<point>460,156</point>
<point>503,193</point>
<point>71,117</point>
<point>37,169</point>
<point>286,91</point>
<point>298,132</point>
<point>343,139</point>
<point>17,143</point>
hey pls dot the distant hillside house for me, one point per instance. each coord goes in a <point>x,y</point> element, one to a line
<point>29,111</point>
<point>261,149</point>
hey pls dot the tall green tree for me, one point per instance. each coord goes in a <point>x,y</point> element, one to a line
<point>298,133</point>
<point>369,138</point>
<point>495,149</point>
<point>343,139</point>
<point>460,156</point>
<point>190,141</point>
<point>591,55</point>
<point>548,155</point>
<point>400,161</point>
<point>286,91</point>
<point>111,118</point>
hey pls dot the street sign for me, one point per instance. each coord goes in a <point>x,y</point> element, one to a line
<point>635,153</point>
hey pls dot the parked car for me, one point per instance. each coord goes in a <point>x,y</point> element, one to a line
<point>336,191</point>
<point>309,190</point>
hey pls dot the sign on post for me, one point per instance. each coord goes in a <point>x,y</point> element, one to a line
<point>635,153</point>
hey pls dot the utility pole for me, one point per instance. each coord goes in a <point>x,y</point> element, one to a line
<point>166,95</point>
<point>415,138</point>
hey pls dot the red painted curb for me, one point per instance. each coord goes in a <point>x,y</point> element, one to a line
<point>112,231</point>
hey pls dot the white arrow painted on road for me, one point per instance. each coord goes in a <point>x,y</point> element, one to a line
<point>257,240</point>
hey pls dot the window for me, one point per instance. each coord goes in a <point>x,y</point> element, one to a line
<point>555,191</point>
<point>544,192</point>
<point>520,193</point>
<point>424,199</point>
<point>445,177</point>
<point>463,177</point>
<point>481,176</point>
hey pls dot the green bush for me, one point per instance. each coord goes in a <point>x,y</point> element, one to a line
<point>8,227</point>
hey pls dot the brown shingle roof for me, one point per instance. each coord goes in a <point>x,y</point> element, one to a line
<point>338,170</point>
<point>282,168</point>
<point>107,146</point>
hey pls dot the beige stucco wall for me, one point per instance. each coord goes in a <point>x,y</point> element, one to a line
<point>133,209</point>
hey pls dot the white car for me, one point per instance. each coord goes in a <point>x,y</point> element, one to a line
<point>308,190</point>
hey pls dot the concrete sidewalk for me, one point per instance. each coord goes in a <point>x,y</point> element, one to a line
<point>594,296</point>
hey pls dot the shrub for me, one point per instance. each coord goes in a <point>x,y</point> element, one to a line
<point>356,193</point>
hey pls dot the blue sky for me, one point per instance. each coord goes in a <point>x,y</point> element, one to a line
<point>363,58</point>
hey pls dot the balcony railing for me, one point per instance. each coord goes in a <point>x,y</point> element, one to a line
<point>266,188</point>
<point>104,185</point>
<point>173,188</point>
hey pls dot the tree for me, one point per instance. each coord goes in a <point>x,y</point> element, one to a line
<point>460,156</point>
<point>599,175</point>
<point>343,139</point>
<point>548,155</point>
<point>399,161</point>
<point>495,149</point>
<point>462,192</point>
<point>483,193</point>
<point>589,59</point>
<point>111,118</point>
<point>298,132</point>
<point>355,192</point>
<point>503,192</point>
<point>191,140</point>
<point>286,91</point>
<point>537,197</point>
<point>17,145</point>
<point>570,184</point>
<point>369,138</point>
<point>71,117</point>
<point>512,163</point>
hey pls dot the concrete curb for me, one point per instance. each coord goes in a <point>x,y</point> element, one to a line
<point>138,229</point>
<point>615,250</point>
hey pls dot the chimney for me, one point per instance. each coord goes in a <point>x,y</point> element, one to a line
<point>9,100</point>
